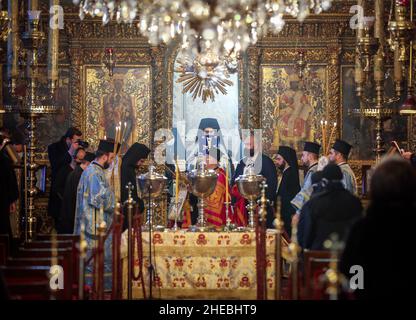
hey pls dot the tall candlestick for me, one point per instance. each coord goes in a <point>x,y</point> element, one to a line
<point>13,43</point>
<point>53,48</point>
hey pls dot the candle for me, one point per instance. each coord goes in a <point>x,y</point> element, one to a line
<point>101,214</point>
<point>332,133</point>
<point>176,183</point>
<point>323,135</point>
<point>226,183</point>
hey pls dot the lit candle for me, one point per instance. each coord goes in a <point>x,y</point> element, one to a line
<point>332,133</point>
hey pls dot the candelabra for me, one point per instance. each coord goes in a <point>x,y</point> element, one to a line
<point>370,67</point>
<point>332,278</point>
<point>32,104</point>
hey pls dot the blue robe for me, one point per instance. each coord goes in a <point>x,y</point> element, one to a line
<point>94,193</point>
<point>349,181</point>
<point>305,192</point>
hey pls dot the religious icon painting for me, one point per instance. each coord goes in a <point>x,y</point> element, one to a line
<point>122,100</point>
<point>292,107</point>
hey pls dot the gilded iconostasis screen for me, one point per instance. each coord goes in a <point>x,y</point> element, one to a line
<point>292,107</point>
<point>124,98</point>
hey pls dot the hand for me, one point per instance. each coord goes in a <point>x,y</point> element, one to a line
<point>12,208</point>
<point>407,155</point>
<point>295,219</point>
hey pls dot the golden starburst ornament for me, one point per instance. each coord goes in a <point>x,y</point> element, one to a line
<point>204,77</point>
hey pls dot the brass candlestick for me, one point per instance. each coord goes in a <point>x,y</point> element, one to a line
<point>278,248</point>
<point>32,105</point>
<point>370,69</point>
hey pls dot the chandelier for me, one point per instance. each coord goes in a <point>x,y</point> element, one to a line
<point>224,26</point>
<point>213,31</point>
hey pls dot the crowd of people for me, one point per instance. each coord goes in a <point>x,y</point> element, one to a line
<point>326,203</point>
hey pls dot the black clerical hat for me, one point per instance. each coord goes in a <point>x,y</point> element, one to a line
<point>289,155</point>
<point>342,146</point>
<point>312,147</point>
<point>332,172</point>
<point>89,156</point>
<point>106,146</point>
<point>209,123</point>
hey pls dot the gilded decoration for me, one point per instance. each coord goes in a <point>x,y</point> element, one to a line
<point>124,98</point>
<point>292,107</point>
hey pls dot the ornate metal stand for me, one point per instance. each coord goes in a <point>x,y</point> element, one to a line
<point>203,184</point>
<point>250,188</point>
<point>32,106</point>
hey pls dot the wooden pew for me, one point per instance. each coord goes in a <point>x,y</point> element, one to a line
<point>316,263</point>
<point>31,282</point>
<point>70,267</point>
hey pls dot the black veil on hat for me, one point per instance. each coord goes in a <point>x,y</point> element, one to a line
<point>209,123</point>
<point>342,146</point>
<point>312,147</point>
<point>136,152</point>
<point>289,155</point>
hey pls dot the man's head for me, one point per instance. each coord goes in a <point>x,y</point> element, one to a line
<point>104,158</point>
<point>339,152</point>
<point>332,172</point>
<point>213,158</point>
<point>281,162</point>
<point>79,155</point>
<point>17,141</point>
<point>105,153</point>
<point>72,136</point>
<point>310,153</point>
<point>249,142</point>
<point>286,157</point>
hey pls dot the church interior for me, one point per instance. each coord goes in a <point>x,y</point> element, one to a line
<point>204,149</point>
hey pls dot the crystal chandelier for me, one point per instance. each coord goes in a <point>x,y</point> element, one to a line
<point>224,26</point>
<point>205,28</point>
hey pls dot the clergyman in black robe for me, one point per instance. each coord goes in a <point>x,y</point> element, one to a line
<point>331,211</point>
<point>134,157</point>
<point>289,184</point>
<point>69,201</point>
<point>267,170</point>
<point>60,156</point>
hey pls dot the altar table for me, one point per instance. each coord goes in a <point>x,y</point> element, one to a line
<point>201,265</point>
